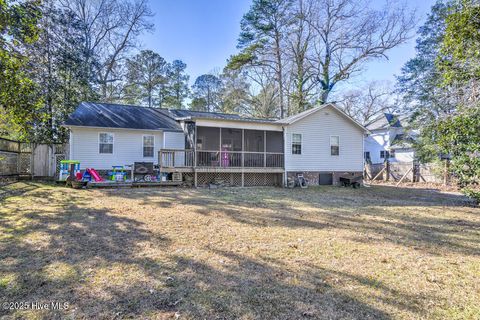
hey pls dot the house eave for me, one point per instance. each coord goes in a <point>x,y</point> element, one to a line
<point>121,128</point>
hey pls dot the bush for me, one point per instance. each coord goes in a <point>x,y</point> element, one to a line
<point>474,194</point>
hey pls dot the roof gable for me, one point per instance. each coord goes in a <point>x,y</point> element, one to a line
<point>306,113</point>
<point>385,121</point>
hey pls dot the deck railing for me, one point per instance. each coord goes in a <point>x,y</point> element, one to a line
<point>177,158</point>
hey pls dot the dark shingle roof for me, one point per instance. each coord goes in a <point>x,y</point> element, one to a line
<point>179,114</point>
<point>386,120</point>
<point>402,141</point>
<point>108,115</point>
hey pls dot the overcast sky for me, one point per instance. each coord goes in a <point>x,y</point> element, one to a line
<point>203,33</point>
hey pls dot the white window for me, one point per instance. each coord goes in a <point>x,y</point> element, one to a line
<point>334,145</point>
<point>105,144</point>
<point>296,143</point>
<point>148,146</point>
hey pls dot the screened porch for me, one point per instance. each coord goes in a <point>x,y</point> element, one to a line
<point>228,148</point>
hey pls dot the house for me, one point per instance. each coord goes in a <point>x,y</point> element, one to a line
<point>321,143</point>
<point>388,139</point>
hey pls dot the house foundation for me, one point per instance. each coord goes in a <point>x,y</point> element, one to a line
<point>315,178</point>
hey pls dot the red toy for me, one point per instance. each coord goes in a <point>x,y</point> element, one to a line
<point>94,174</point>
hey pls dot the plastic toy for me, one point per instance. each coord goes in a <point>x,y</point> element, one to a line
<point>94,174</point>
<point>65,167</point>
<point>118,173</point>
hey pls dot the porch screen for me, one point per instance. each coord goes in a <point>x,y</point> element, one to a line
<point>208,138</point>
<point>254,140</point>
<point>231,139</point>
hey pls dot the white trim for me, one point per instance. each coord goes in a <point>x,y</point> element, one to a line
<point>113,143</point>
<point>301,144</point>
<point>143,145</point>
<point>334,155</point>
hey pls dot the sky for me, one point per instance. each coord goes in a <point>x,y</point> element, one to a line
<point>204,33</point>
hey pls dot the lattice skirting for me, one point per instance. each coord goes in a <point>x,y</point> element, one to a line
<point>235,179</point>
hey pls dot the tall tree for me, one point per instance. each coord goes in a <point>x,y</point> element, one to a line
<point>348,33</point>
<point>458,133</point>
<point>262,40</point>
<point>301,88</point>
<point>425,98</point>
<point>421,79</point>
<point>145,74</point>
<point>369,102</point>
<point>56,67</point>
<point>18,99</point>
<point>235,92</point>
<point>206,93</point>
<point>460,50</point>
<point>111,29</point>
<point>175,89</point>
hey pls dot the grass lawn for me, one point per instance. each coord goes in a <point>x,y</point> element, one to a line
<point>232,253</point>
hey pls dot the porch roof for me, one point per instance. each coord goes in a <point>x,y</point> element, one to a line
<point>193,115</point>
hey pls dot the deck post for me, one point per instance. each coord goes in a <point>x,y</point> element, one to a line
<point>195,178</point>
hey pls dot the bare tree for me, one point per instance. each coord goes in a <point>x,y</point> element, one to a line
<point>300,85</point>
<point>111,28</point>
<point>348,33</point>
<point>368,103</point>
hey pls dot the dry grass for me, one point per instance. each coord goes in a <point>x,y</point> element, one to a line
<point>320,253</point>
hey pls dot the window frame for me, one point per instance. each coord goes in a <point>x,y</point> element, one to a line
<point>365,153</point>
<point>153,146</point>
<point>338,146</point>
<point>100,142</point>
<point>297,143</point>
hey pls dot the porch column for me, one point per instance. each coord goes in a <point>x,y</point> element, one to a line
<point>195,148</point>
<point>264,148</point>
<point>220,148</point>
<point>243,148</point>
<point>243,157</point>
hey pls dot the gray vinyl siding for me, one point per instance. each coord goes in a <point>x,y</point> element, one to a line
<point>316,130</point>
<point>174,140</point>
<point>127,147</point>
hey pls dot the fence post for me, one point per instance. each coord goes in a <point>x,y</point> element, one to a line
<point>446,172</point>
<point>387,170</point>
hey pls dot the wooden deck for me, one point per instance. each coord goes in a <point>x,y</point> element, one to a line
<point>131,184</point>
<point>222,169</point>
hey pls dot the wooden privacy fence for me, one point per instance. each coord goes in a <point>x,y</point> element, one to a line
<point>28,159</point>
<point>408,172</point>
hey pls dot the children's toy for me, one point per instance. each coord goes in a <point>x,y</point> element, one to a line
<point>118,173</point>
<point>94,174</point>
<point>86,176</point>
<point>68,168</point>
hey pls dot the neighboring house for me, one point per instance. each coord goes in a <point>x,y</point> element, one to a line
<point>321,143</point>
<point>388,139</point>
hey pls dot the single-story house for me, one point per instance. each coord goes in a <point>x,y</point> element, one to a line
<point>389,140</point>
<point>321,143</point>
